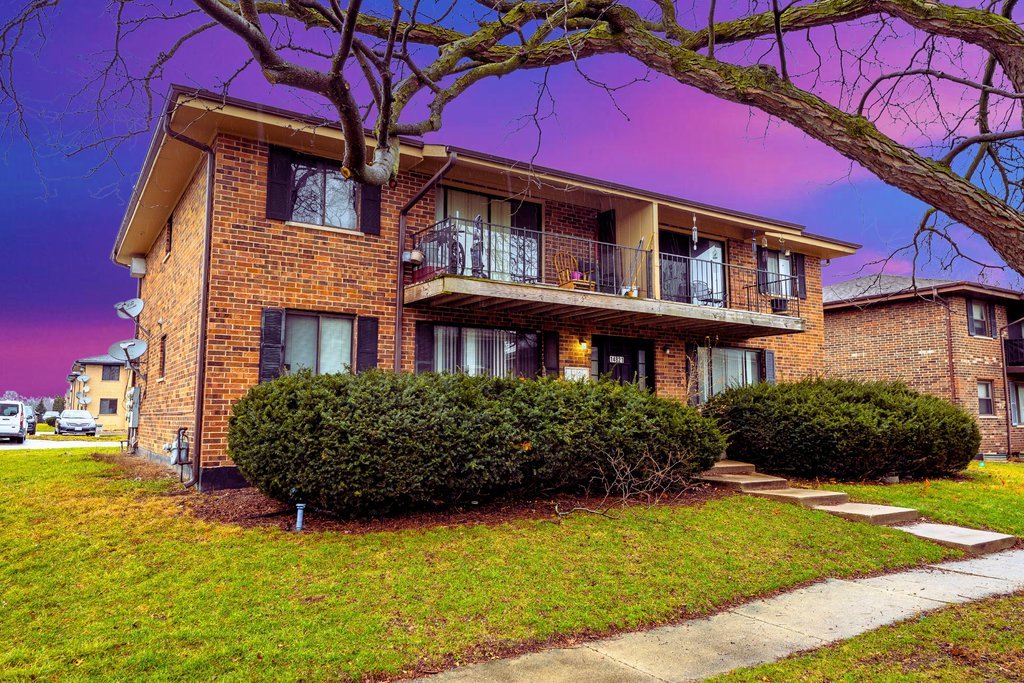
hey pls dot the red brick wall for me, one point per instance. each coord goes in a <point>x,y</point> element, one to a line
<point>909,341</point>
<point>258,263</point>
<point>171,291</point>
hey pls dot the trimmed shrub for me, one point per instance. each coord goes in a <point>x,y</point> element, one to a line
<point>51,421</point>
<point>381,442</point>
<point>845,430</point>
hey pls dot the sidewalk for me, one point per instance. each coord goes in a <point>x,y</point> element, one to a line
<point>760,631</point>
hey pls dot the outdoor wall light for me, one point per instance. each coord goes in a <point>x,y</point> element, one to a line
<point>583,344</point>
<point>667,350</point>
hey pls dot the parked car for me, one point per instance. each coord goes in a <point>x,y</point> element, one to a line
<point>30,419</point>
<point>12,421</point>
<point>75,422</point>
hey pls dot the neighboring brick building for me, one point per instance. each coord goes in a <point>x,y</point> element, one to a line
<point>946,338</point>
<point>257,257</point>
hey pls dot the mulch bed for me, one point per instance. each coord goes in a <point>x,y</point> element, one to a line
<point>250,508</point>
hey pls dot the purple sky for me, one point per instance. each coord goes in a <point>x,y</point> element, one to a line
<point>62,213</point>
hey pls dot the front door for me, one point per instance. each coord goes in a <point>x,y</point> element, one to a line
<point>625,360</point>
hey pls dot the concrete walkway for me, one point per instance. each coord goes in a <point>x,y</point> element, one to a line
<point>760,631</point>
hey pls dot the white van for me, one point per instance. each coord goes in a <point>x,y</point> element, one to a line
<point>13,424</point>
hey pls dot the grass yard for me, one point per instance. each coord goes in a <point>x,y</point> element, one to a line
<point>989,497</point>
<point>109,577</point>
<point>78,437</point>
<point>974,642</point>
<point>43,428</point>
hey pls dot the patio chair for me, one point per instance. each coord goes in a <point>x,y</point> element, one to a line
<point>569,274</point>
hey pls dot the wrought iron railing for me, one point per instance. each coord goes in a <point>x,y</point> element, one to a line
<point>473,248</point>
<point>725,285</point>
<point>1014,351</point>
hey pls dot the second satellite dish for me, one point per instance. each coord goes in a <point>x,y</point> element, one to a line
<point>86,401</point>
<point>128,350</point>
<point>129,310</point>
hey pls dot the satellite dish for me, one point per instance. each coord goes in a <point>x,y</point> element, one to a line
<point>83,378</point>
<point>128,350</point>
<point>72,377</point>
<point>129,310</point>
<point>78,395</point>
<point>85,389</point>
<point>86,401</point>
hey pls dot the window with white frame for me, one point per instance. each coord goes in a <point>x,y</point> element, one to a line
<point>486,351</point>
<point>321,343</point>
<point>723,368</point>
<point>986,406</point>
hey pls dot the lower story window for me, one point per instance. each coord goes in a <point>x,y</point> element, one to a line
<point>485,351</point>
<point>985,404</point>
<point>320,343</point>
<point>108,406</point>
<point>719,369</point>
<point>1016,402</point>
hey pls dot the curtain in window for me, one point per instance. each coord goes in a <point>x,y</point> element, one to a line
<point>482,351</point>
<point>300,339</point>
<point>335,345</point>
<point>720,369</point>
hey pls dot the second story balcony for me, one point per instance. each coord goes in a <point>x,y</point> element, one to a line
<point>1014,349</point>
<point>476,265</point>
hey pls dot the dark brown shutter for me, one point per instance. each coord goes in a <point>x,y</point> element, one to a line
<point>279,184</point>
<point>800,271</point>
<point>551,364</point>
<point>366,343</point>
<point>424,347</point>
<point>271,344</point>
<point>769,367</point>
<point>992,329</point>
<point>369,209</point>
<point>762,270</point>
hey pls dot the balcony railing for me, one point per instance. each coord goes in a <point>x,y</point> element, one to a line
<point>473,248</point>
<point>724,285</point>
<point>1014,351</point>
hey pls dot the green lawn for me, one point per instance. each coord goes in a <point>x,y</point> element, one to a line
<point>107,577</point>
<point>974,642</point>
<point>78,437</point>
<point>991,497</point>
<point>43,428</point>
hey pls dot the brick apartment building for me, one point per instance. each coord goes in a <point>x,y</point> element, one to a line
<point>256,257</point>
<point>961,341</point>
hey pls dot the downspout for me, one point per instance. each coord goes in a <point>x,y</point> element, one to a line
<point>197,430</point>
<point>1006,386</point>
<point>954,391</point>
<point>399,261</point>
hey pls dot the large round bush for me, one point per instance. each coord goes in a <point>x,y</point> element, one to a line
<point>845,430</point>
<point>381,442</point>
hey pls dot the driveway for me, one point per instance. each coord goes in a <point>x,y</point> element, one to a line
<point>37,444</point>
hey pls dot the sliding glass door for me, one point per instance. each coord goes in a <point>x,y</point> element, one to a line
<point>692,272</point>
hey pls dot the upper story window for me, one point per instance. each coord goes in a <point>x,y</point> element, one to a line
<point>111,373</point>
<point>308,189</point>
<point>781,274</point>
<point>981,318</point>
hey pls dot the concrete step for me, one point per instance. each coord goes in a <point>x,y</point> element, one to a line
<point>971,540</point>
<point>746,482</point>
<point>872,514</point>
<point>727,466</point>
<point>808,498</point>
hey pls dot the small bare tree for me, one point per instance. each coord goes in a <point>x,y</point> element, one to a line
<point>861,76</point>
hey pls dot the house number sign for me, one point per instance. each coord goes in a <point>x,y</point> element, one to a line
<point>616,359</point>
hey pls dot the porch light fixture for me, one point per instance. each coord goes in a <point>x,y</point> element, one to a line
<point>764,241</point>
<point>782,245</point>
<point>583,344</point>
